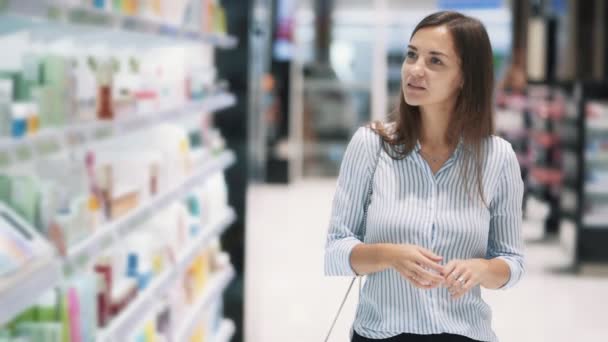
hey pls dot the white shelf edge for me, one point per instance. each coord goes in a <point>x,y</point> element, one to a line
<point>595,221</point>
<point>214,288</point>
<point>95,243</point>
<point>214,229</point>
<point>226,331</point>
<point>599,158</point>
<point>22,290</point>
<point>595,191</point>
<point>211,104</point>
<point>145,301</point>
<point>39,12</point>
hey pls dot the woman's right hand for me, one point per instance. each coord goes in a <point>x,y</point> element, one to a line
<point>413,263</point>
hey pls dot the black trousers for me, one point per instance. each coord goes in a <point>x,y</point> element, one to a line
<point>415,338</point>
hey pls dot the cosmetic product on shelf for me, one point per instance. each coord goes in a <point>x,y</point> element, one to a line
<point>6,98</point>
<point>537,49</point>
<point>20,113</point>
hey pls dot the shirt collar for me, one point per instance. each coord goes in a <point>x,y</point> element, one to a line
<point>457,150</point>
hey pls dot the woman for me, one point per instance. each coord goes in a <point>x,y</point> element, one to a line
<point>428,206</point>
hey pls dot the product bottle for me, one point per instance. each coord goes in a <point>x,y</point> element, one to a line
<point>6,98</point>
<point>19,122</point>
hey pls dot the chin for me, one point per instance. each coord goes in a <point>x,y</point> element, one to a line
<point>413,101</point>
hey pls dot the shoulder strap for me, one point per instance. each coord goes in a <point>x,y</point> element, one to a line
<point>370,188</point>
<point>367,202</point>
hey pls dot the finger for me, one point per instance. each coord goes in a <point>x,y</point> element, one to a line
<point>452,278</point>
<point>466,288</point>
<point>415,279</point>
<point>430,254</point>
<point>420,284</point>
<point>457,289</point>
<point>426,275</point>
<point>447,270</point>
<point>410,276</point>
<point>463,281</point>
<point>430,264</point>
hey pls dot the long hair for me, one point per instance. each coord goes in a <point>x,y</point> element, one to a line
<point>472,118</point>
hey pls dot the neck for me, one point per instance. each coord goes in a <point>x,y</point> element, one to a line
<point>435,121</point>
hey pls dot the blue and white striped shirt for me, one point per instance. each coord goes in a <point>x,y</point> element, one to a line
<point>410,205</point>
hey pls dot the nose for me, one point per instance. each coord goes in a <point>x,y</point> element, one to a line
<point>416,69</point>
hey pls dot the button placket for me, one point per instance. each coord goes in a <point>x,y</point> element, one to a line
<point>433,217</point>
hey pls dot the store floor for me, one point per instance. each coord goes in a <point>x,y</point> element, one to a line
<point>289,299</point>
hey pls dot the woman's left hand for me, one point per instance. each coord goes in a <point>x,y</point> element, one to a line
<point>462,275</point>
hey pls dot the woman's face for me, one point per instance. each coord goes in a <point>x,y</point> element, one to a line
<point>431,74</point>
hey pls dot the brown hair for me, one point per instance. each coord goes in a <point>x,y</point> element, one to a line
<point>473,117</point>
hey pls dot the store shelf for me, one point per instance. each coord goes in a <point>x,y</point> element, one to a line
<point>123,325</point>
<point>510,121</point>
<point>597,158</point>
<point>215,229</point>
<point>597,125</point>
<point>64,17</point>
<point>547,176</point>
<point>217,284</point>
<point>21,290</point>
<point>225,333</point>
<point>89,132</point>
<point>111,232</point>
<point>544,139</point>
<point>549,110</point>
<point>595,221</point>
<point>596,190</point>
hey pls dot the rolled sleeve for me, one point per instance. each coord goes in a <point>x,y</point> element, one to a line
<point>505,240</point>
<point>347,226</point>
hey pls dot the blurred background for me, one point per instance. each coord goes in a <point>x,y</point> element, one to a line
<point>167,167</point>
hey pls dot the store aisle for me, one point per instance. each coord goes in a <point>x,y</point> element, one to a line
<point>289,299</point>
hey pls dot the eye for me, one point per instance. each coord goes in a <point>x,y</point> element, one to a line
<point>410,54</point>
<point>436,61</point>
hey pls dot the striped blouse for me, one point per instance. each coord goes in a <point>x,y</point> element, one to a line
<point>411,205</point>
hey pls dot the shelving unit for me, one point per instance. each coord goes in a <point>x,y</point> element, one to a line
<point>548,105</point>
<point>86,135</point>
<point>122,325</point>
<point>64,17</point>
<point>111,233</point>
<point>20,291</point>
<point>85,25</point>
<point>511,118</point>
<point>591,227</point>
<point>215,287</point>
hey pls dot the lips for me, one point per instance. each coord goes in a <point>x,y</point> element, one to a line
<point>416,86</point>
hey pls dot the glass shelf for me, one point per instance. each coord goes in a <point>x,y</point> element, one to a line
<point>53,19</point>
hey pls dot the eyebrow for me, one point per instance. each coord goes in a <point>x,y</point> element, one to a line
<point>439,53</point>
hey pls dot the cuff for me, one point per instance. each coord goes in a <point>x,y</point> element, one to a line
<point>516,272</point>
<point>337,257</point>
